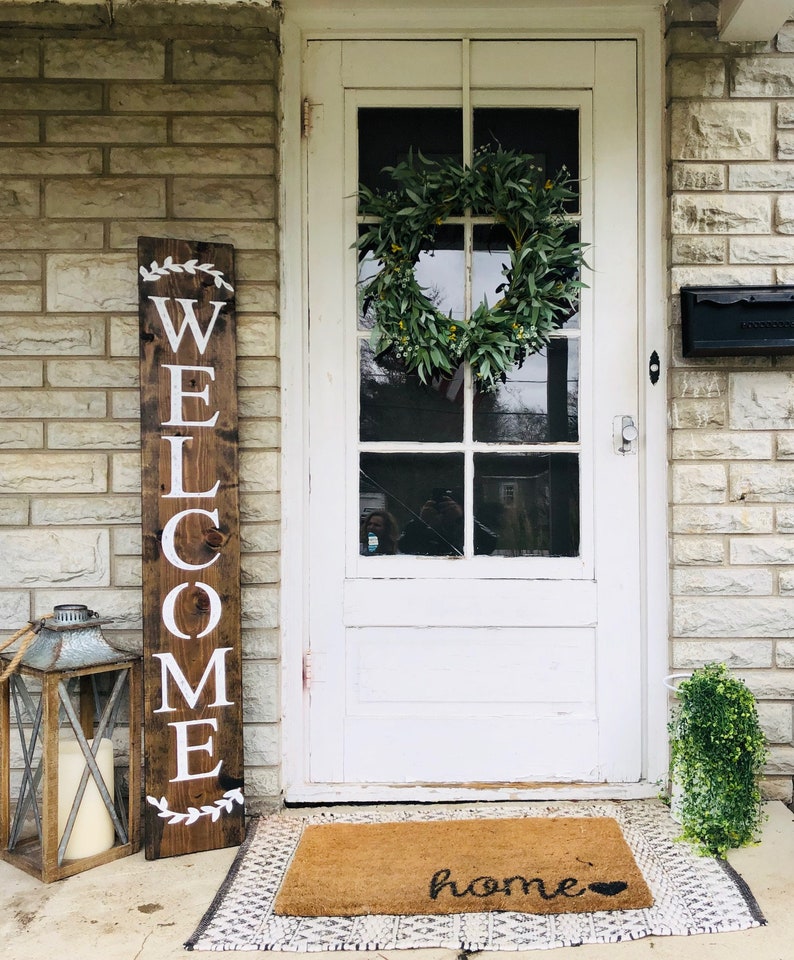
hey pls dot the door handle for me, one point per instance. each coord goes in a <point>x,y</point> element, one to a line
<point>625,435</point>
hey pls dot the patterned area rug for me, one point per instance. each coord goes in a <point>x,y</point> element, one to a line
<point>691,894</point>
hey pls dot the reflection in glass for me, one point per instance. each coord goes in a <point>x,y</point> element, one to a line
<point>530,502</point>
<point>539,401</point>
<point>385,135</point>
<point>394,405</point>
<point>424,495</point>
<point>491,261</point>
<point>550,134</point>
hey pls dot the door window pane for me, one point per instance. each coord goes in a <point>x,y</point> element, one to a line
<point>529,502</point>
<point>395,405</point>
<point>422,494</point>
<point>539,401</point>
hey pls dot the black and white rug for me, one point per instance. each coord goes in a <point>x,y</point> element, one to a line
<point>692,894</point>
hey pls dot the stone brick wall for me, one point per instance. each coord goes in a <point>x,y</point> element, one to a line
<point>109,132</point>
<point>731,120</point>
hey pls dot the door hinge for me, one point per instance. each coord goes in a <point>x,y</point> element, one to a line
<point>306,117</point>
<point>307,670</point>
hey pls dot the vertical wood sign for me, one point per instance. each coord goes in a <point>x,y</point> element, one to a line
<point>193,733</point>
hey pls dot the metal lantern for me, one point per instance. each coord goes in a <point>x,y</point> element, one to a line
<point>60,708</point>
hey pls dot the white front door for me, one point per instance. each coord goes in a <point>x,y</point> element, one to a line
<point>506,651</point>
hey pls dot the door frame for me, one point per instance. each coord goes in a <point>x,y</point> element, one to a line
<point>307,20</point>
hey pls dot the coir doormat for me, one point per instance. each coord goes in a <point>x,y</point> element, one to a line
<point>690,894</point>
<point>530,864</point>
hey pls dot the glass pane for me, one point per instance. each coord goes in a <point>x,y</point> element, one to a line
<point>530,502</point>
<point>419,502</point>
<point>385,135</point>
<point>550,134</point>
<point>396,406</point>
<point>539,401</point>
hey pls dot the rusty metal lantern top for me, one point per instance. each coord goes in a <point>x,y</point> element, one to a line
<point>71,639</point>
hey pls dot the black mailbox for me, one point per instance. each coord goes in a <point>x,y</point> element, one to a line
<point>737,321</point>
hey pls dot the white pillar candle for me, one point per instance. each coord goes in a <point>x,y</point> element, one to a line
<point>93,830</point>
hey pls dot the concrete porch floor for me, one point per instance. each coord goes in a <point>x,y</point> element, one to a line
<point>138,910</point>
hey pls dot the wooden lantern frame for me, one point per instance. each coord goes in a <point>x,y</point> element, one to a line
<point>40,855</point>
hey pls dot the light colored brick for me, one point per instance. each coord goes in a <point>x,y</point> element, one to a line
<point>52,404</point>
<point>104,59</point>
<point>14,510</point>
<point>255,403</point>
<point>260,692</point>
<point>721,445</point>
<point>21,373</point>
<point>206,160</point>
<point>20,266</point>
<point>780,761</point>
<point>257,336</point>
<point>125,404</point>
<point>784,215</point>
<point>128,572</point>
<point>699,250</point>
<point>762,402</point>
<point>698,78</point>
<point>242,129</point>
<point>19,129</point>
<point>688,654</point>
<point>38,557</point>
<point>263,790</point>
<point>19,198</point>
<point>762,550</point>
<point>14,609</point>
<point>49,235</point>
<point>770,684</point>
<point>260,433</point>
<point>721,213</point>
<point>262,744</point>
<point>259,471</point>
<point>191,98</point>
<point>223,60</point>
<point>16,435</point>
<point>127,541</point>
<point>85,510</point>
<point>257,372</point>
<point>105,197</point>
<point>776,721</point>
<point>721,130</point>
<point>761,249</point>
<point>259,606</point>
<point>92,373</point>
<point>699,483</point>
<point>718,518</point>
<point>786,582</point>
<point>777,788</point>
<point>215,197</point>
<point>262,644</point>
<point>785,446</point>
<point>93,436</point>
<point>253,235</point>
<point>761,176</point>
<point>89,282</point>
<point>40,95</point>
<point>63,335</point>
<point>258,297</point>
<point>727,582</point>
<point>762,77</point>
<point>720,276</point>
<point>698,550</point>
<point>19,57</point>
<point>699,176</point>
<point>764,482</point>
<point>733,617</point>
<point>784,654</point>
<point>785,145</point>
<point>256,265</point>
<point>260,537</point>
<point>785,519</point>
<point>105,129</point>
<point>126,472</point>
<point>53,473</point>
<point>698,384</point>
<point>20,297</point>
<point>259,569</point>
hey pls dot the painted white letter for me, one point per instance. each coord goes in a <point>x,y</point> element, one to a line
<point>169,532</point>
<point>188,321</point>
<point>182,750</point>
<point>170,602</point>
<point>178,394</point>
<point>177,474</point>
<point>216,664</point>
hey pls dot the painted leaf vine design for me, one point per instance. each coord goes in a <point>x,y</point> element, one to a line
<point>224,804</point>
<point>542,275</point>
<point>155,271</point>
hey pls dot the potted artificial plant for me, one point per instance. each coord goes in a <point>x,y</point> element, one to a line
<point>717,753</point>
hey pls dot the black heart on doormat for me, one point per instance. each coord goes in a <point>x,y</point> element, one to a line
<point>608,889</point>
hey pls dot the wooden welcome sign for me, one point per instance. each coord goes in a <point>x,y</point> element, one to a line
<point>193,732</point>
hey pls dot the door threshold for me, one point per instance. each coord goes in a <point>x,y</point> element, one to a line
<point>325,793</point>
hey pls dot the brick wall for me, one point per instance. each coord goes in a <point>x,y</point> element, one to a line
<point>105,134</point>
<point>731,118</point>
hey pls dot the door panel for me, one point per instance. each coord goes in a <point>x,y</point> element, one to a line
<point>511,655</point>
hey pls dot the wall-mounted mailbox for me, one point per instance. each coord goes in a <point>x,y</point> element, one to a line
<point>737,321</point>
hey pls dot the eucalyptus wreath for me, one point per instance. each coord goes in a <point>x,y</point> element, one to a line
<point>541,279</point>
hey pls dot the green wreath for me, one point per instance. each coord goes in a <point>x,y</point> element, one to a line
<point>542,279</point>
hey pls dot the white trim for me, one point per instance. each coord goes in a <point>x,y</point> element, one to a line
<point>642,22</point>
<point>752,19</point>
